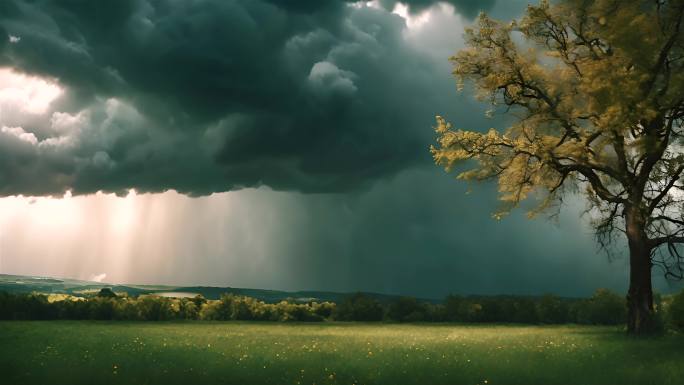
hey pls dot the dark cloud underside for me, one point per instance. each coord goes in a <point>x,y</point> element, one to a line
<point>206,96</point>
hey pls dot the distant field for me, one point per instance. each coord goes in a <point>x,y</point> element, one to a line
<point>74,352</point>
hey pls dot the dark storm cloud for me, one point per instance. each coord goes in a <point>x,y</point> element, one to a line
<point>304,96</point>
<point>206,96</point>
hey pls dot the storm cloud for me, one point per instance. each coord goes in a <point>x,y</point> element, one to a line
<point>316,117</point>
<point>214,95</point>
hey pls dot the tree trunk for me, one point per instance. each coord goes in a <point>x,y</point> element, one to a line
<point>640,312</point>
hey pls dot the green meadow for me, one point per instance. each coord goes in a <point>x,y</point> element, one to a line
<point>91,352</point>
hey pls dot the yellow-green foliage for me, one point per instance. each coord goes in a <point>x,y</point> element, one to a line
<point>62,297</point>
<point>596,87</point>
<point>231,307</point>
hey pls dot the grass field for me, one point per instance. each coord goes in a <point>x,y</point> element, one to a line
<point>72,352</point>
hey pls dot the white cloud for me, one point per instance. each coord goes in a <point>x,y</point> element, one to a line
<point>66,123</point>
<point>14,39</point>
<point>326,76</point>
<point>98,277</point>
<point>20,133</point>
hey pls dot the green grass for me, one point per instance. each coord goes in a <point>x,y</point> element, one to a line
<point>72,352</point>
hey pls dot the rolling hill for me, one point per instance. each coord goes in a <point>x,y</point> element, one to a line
<point>50,285</point>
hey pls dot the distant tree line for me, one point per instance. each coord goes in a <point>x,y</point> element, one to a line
<point>603,308</point>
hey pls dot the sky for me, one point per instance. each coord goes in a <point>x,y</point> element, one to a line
<point>262,144</point>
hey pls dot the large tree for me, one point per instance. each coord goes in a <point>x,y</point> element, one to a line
<point>596,89</point>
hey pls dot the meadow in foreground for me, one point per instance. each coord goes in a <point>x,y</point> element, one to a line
<point>87,352</point>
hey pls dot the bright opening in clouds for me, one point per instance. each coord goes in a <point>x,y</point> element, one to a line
<point>30,94</point>
<point>412,21</point>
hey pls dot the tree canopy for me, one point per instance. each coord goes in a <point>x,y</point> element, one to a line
<point>597,92</point>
